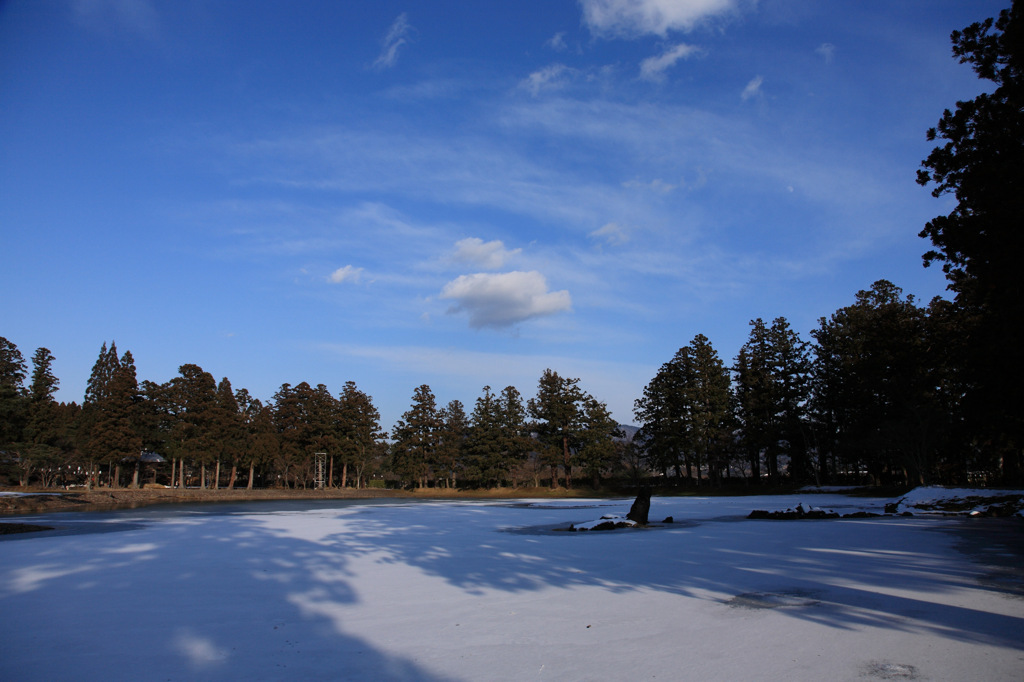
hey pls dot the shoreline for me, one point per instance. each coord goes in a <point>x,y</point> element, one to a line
<point>27,502</point>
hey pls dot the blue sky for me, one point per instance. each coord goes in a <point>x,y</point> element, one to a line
<point>457,193</point>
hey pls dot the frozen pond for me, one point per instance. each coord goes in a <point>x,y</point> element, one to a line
<point>400,590</point>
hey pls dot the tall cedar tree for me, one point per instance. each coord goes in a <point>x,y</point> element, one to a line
<point>558,411</point>
<point>293,408</point>
<point>42,450</point>
<point>192,399</point>
<point>979,243</point>
<point>599,451</point>
<point>516,442</point>
<point>685,413</point>
<point>708,396</point>
<point>876,387</point>
<point>114,398</point>
<point>662,414</point>
<point>12,393</point>
<point>417,438</point>
<point>772,383</point>
<point>483,447</point>
<point>361,435</point>
<point>452,443</point>
<point>228,437</point>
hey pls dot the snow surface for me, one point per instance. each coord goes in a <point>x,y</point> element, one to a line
<point>402,590</point>
<point>924,499</point>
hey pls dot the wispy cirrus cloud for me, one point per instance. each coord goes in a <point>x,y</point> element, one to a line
<point>654,68</point>
<point>394,39</point>
<point>611,233</point>
<point>551,77</point>
<point>505,299</point>
<point>633,18</point>
<point>752,89</point>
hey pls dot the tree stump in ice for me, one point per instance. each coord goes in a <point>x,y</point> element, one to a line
<point>641,507</point>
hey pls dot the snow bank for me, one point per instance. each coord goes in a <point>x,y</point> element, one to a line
<point>970,501</point>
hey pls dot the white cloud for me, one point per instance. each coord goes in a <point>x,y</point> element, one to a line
<point>502,300</point>
<point>631,18</point>
<point>490,255</point>
<point>557,42</point>
<point>827,50</point>
<point>396,37</point>
<point>346,274</point>
<point>612,233</point>
<point>753,88</point>
<point>653,68</point>
<point>549,78</point>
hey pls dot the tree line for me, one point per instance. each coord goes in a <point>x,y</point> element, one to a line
<point>886,390</point>
<point>875,396</point>
<point>195,431</point>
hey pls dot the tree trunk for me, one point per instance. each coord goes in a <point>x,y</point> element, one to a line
<point>216,477</point>
<point>135,476</point>
<point>252,467</point>
<point>568,464</point>
<point>116,483</point>
<point>344,474</point>
<point>234,475</point>
<point>174,464</point>
<point>181,473</point>
<point>202,476</point>
<point>330,473</point>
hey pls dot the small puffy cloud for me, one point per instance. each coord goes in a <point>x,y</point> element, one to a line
<point>505,299</point>
<point>632,18</point>
<point>396,37</point>
<point>612,233</point>
<point>490,255</point>
<point>827,50</point>
<point>549,78</point>
<point>653,68</point>
<point>346,274</point>
<point>753,88</point>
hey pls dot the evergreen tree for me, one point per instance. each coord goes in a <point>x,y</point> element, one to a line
<point>981,163</point>
<point>558,408</point>
<point>685,413</point>
<point>12,394</point>
<point>113,436</point>
<point>483,446</point>
<point>297,432</point>
<point>876,387</point>
<point>516,442</point>
<point>708,397</point>
<point>417,438</point>
<point>598,452</point>
<point>662,414</point>
<point>772,389</point>
<point>361,435</point>
<point>228,431</point>
<point>42,449</point>
<point>191,400</point>
<point>452,442</point>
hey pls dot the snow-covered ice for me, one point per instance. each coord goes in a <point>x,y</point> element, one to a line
<point>490,591</point>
